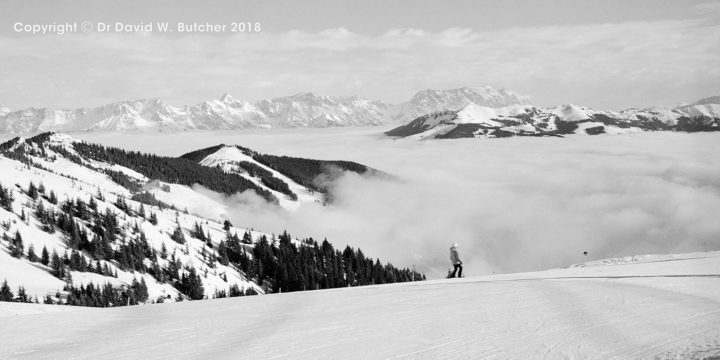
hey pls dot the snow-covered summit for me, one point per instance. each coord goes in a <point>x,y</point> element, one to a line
<point>429,101</point>
<point>244,162</point>
<point>570,112</point>
<point>708,100</point>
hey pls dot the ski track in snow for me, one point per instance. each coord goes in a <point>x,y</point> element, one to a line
<point>662,308</point>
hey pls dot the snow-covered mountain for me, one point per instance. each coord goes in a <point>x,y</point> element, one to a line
<point>246,163</point>
<point>308,110</point>
<point>429,101</point>
<point>226,113</point>
<point>74,213</point>
<point>525,120</point>
<point>473,106</point>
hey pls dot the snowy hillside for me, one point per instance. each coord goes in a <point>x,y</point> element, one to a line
<point>74,214</point>
<point>242,162</point>
<point>524,120</point>
<point>653,307</point>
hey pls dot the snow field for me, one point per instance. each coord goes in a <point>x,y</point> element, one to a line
<point>663,308</point>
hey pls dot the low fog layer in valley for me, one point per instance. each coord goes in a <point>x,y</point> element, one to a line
<point>512,204</point>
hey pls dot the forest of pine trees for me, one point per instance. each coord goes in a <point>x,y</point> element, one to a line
<point>97,242</point>
<point>6,294</point>
<point>284,267</point>
<point>277,265</point>
<point>107,295</point>
<point>172,170</point>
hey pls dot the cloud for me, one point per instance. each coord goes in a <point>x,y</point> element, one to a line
<point>514,204</point>
<point>608,65</point>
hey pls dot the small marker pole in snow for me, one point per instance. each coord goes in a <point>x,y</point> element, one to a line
<point>585,254</point>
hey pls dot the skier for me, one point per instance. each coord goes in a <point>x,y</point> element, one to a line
<point>455,259</point>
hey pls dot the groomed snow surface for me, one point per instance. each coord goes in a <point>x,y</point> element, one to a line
<point>648,307</point>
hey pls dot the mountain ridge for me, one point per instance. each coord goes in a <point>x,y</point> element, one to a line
<point>228,113</point>
<point>303,110</point>
<point>527,120</point>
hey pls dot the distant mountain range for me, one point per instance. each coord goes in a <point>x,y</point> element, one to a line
<point>228,113</point>
<point>463,112</point>
<point>525,120</point>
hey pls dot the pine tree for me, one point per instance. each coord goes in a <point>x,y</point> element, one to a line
<point>250,292</point>
<point>56,265</point>
<point>223,253</point>
<point>52,198</point>
<point>40,212</point>
<point>22,295</point>
<point>6,198</point>
<point>153,219</point>
<point>191,285</point>
<point>163,251</point>
<point>178,235</point>
<point>5,293</point>
<point>198,232</point>
<point>17,249</point>
<point>235,291</point>
<point>247,238</point>
<point>92,204</point>
<point>31,253</point>
<point>44,257</point>
<point>219,294</point>
<point>139,289</point>
<point>227,225</point>
<point>32,191</point>
<point>121,204</point>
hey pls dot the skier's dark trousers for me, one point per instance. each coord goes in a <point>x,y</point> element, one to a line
<point>455,270</point>
<point>455,259</point>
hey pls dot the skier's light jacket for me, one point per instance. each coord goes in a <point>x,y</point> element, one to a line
<point>454,257</point>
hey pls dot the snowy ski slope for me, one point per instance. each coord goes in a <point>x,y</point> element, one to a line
<point>645,307</point>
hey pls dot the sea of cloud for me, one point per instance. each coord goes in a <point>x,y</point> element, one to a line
<point>513,204</point>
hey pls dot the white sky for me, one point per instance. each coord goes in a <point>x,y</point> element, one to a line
<point>609,54</point>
